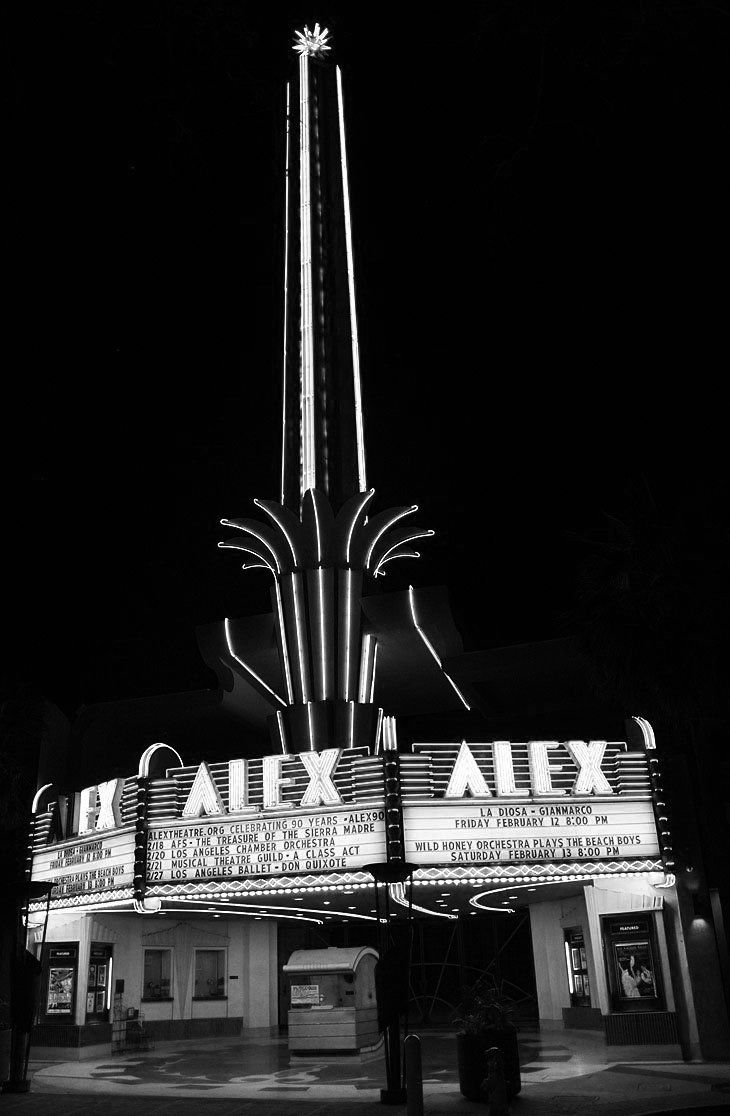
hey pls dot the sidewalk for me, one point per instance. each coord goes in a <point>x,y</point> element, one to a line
<point>563,1073</point>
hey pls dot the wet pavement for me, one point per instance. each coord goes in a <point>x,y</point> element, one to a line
<point>562,1073</point>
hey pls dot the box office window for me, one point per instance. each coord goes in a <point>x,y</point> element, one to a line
<point>156,978</point>
<point>210,974</point>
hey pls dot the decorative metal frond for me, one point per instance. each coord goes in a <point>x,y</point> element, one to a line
<point>390,541</point>
<point>267,544</point>
<point>320,538</point>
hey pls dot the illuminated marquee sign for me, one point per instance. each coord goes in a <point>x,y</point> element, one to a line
<point>88,865</point>
<point>311,812</point>
<point>318,812</point>
<point>508,803</point>
<point>331,841</point>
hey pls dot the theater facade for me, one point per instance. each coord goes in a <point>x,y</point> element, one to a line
<point>168,888</point>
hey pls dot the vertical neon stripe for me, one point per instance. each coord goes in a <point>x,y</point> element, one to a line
<point>359,434</point>
<point>286,307</point>
<point>301,638</point>
<point>282,631</point>
<point>309,465</point>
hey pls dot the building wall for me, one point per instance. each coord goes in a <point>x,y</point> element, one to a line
<point>251,978</point>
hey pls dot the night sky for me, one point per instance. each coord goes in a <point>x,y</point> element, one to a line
<point>540,207</point>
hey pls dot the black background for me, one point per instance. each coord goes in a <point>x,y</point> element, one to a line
<point>540,206</point>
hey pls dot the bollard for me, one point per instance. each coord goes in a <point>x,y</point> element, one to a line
<point>414,1076</point>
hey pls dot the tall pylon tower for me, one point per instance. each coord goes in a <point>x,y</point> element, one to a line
<point>323,442</point>
<point>320,541</point>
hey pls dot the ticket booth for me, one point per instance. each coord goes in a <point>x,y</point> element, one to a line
<point>332,1004</point>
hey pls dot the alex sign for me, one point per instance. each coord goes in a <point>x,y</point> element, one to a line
<point>538,801</point>
<point>323,812</point>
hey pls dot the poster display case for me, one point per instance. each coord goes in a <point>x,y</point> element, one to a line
<point>576,963</point>
<point>98,985</point>
<point>59,984</point>
<point>633,967</point>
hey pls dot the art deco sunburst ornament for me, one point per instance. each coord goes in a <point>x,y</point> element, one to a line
<point>313,43</point>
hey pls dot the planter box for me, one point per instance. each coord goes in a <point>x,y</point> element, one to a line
<point>470,1056</point>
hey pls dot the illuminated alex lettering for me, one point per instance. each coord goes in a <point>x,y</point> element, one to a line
<point>504,772</point>
<point>238,788</point>
<point>99,806</point>
<point>110,795</point>
<point>541,769</point>
<point>204,797</point>
<point>466,776</point>
<point>274,781</point>
<point>588,759</point>
<point>321,791</point>
<point>87,810</point>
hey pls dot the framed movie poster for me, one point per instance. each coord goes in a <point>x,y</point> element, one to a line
<point>100,1002</point>
<point>101,976</point>
<point>575,957</point>
<point>578,979</point>
<point>89,1003</point>
<point>60,996</point>
<point>92,975</point>
<point>634,969</point>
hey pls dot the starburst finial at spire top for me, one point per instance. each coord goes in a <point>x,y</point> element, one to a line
<point>313,43</point>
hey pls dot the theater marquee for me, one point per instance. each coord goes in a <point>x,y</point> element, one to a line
<point>483,805</point>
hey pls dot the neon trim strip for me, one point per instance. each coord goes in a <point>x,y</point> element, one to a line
<point>144,759</point>
<point>354,520</point>
<point>246,667</point>
<point>37,796</point>
<point>432,649</point>
<point>301,642</point>
<point>309,464</point>
<point>282,734</point>
<point>359,434</point>
<point>286,304</point>
<point>386,526</point>
<point>398,893</point>
<point>372,678</point>
<point>647,732</point>
<point>282,630</point>
<point>393,558</point>
<point>367,641</point>
<point>322,632</point>
<point>282,527</point>
<point>347,574</point>
<point>409,538</point>
<point>249,531</point>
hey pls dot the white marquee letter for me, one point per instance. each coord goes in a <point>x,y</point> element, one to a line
<point>466,776</point>
<point>273,781</point>
<point>110,795</point>
<point>541,768</point>
<point>588,759</point>
<point>320,789</point>
<point>504,772</point>
<point>204,797</point>
<point>238,788</point>
<point>87,810</point>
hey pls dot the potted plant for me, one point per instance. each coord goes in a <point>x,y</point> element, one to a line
<point>485,1021</point>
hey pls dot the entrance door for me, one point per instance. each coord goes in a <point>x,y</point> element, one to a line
<point>98,986</point>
